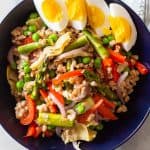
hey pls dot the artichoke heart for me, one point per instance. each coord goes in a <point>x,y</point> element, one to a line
<point>78,132</point>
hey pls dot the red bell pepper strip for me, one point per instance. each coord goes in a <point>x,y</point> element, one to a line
<point>57,95</point>
<point>52,107</point>
<point>107,62</point>
<point>66,75</point>
<point>27,40</point>
<point>48,133</point>
<point>107,103</point>
<point>38,131</point>
<point>117,57</point>
<point>31,130</point>
<point>141,68</point>
<point>43,93</point>
<point>106,112</point>
<point>115,73</point>
<point>31,111</point>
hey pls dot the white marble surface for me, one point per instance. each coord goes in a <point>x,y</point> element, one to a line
<point>140,141</point>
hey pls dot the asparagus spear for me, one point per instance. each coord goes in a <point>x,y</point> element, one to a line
<point>28,48</point>
<point>81,41</point>
<point>103,53</point>
<point>54,119</point>
<point>102,87</point>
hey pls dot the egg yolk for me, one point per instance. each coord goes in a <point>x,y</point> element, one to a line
<point>76,9</point>
<point>96,16</point>
<point>52,10</point>
<point>121,29</point>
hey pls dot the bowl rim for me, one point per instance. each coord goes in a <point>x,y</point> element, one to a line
<point>147,112</point>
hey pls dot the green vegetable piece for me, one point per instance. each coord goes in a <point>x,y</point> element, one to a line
<point>26,33</point>
<point>35,37</point>
<point>99,127</point>
<point>95,41</point>
<point>28,48</point>
<point>80,108</point>
<point>68,66</point>
<point>35,94</point>
<point>32,28</point>
<point>127,69</point>
<point>20,85</point>
<point>110,37</point>
<point>91,76</point>
<point>52,39</point>
<point>33,15</point>
<point>79,59</point>
<point>81,41</point>
<point>118,103</point>
<point>67,101</point>
<point>106,91</point>
<point>67,86</point>
<point>27,78</point>
<point>86,60</point>
<point>54,120</point>
<point>97,62</point>
<point>50,127</point>
<point>105,41</point>
<point>27,69</point>
<point>52,73</point>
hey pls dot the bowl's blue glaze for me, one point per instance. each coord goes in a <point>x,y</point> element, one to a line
<point>115,133</point>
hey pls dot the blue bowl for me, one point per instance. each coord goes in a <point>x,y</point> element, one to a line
<point>114,133</point>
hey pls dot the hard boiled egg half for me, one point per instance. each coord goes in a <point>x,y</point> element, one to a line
<point>53,13</point>
<point>98,16</point>
<point>122,26</point>
<point>77,13</point>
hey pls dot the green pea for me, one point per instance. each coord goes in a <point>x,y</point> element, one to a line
<point>52,73</point>
<point>110,37</point>
<point>26,33</point>
<point>86,60</point>
<point>32,28</point>
<point>105,41</point>
<point>97,62</point>
<point>27,78</point>
<point>35,37</point>
<point>27,69</point>
<point>20,85</point>
<point>80,108</point>
<point>25,63</point>
<point>33,15</point>
<point>53,37</point>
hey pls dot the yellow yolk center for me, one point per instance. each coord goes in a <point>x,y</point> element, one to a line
<point>76,9</point>
<point>96,16</point>
<point>52,10</point>
<point>121,29</point>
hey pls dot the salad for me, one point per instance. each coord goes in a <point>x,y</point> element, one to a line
<point>69,75</point>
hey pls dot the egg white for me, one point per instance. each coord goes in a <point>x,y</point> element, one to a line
<point>56,26</point>
<point>105,9</point>
<point>117,10</point>
<point>79,25</point>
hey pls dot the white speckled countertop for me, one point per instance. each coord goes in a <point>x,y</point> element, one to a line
<point>140,141</point>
